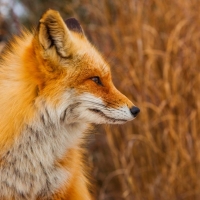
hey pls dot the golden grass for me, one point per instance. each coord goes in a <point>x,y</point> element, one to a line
<point>153,47</point>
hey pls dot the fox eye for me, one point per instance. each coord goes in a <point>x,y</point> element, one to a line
<point>97,80</point>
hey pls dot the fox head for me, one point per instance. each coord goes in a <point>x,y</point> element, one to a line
<point>73,77</point>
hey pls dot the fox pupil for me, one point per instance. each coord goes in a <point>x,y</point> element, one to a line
<point>97,80</point>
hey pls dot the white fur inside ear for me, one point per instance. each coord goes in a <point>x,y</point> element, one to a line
<point>44,37</point>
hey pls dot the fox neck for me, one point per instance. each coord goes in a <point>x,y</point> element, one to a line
<point>34,159</point>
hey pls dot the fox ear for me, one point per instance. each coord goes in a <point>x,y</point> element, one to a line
<point>73,25</point>
<point>53,32</point>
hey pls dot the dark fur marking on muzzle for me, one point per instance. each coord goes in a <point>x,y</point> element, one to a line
<point>99,112</point>
<point>69,110</point>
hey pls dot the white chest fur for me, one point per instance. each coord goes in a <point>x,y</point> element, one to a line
<point>28,170</point>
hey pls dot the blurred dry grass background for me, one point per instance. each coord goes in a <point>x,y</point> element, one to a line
<point>153,48</point>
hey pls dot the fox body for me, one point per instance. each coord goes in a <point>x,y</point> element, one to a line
<point>53,85</point>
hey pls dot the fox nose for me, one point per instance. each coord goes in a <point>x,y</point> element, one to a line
<point>134,111</point>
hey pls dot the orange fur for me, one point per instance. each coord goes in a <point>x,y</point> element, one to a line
<point>77,187</point>
<point>14,111</point>
<point>45,65</point>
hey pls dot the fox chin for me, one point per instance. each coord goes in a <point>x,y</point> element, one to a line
<point>53,85</point>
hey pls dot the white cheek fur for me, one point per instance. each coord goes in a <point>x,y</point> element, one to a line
<point>94,110</point>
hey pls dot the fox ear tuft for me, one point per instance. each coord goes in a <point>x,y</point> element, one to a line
<point>73,25</point>
<point>54,33</point>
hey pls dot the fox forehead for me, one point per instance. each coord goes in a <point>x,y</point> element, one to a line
<point>86,61</point>
<point>88,55</point>
<point>86,68</point>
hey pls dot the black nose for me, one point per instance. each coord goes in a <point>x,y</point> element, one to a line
<point>135,110</point>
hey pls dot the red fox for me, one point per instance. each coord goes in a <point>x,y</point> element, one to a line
<point>53,85</point>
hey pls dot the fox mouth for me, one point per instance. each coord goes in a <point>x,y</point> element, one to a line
<point>100,113</point>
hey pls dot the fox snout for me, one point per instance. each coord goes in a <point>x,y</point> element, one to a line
<point>134,111</point>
